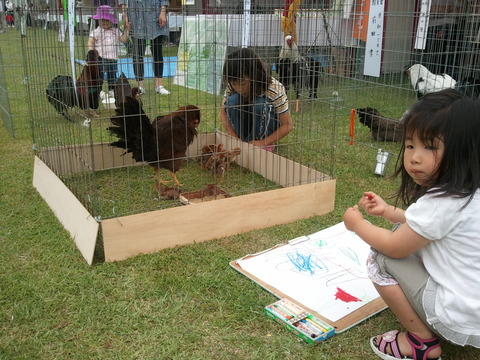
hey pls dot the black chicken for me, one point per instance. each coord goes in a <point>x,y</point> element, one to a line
<point>123,89</point>
<point>381,127</point>
<point>61,91</point>
<point>294,70</point>
<point>162,143</point>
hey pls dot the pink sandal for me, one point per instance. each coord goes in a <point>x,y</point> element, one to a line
<point>420,347</point>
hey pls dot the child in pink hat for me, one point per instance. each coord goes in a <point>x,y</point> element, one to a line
<point>106,40</point>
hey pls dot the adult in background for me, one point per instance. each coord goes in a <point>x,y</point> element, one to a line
<point>148,21</point>
<point>9,12</point>
<point>21,14</point>
<point>3,20</point>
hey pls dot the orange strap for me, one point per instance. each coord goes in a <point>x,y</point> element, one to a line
<point>352,125</point>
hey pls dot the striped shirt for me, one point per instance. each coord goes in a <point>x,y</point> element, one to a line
<point>275,95</point>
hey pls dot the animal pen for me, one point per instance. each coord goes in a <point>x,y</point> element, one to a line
<point>361,51</point>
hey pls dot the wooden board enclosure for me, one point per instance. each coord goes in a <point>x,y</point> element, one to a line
<point>305,193</point>
<point>82,227</point>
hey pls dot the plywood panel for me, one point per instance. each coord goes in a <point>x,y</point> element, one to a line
<point>274,167</point>
<point>149,232</point>
<point>83,228</point>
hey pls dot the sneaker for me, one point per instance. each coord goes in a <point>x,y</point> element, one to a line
<point>141,90</point>
<point>161,90</point>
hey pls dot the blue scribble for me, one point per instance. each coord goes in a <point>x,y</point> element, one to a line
<point>305,263</point>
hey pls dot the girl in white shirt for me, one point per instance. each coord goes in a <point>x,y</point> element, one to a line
<point>428,269</point>
<point>106,40</point>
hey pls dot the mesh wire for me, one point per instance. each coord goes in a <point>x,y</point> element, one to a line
<point>328,36</point>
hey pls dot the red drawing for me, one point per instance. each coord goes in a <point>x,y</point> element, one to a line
<point>345,297</point>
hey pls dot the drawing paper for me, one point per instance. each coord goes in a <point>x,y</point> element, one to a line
<point>326,272</point>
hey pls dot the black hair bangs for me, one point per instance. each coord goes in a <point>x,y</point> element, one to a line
<point>428,125</point>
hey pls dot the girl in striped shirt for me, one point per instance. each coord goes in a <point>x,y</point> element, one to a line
<point>255,105</point>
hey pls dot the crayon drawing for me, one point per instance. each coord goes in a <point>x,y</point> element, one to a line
<point>326,272</point>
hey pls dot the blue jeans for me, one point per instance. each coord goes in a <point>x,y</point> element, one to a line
<point>110,68</point>
<point>251,121</point>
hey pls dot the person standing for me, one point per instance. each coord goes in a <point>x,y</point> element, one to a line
<point>106,40</point>
<point>9,12</point>
<point>148,21</point>
<point>21,14</point>
<point>3,20</point>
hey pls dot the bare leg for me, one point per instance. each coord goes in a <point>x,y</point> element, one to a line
<point>397,301</point>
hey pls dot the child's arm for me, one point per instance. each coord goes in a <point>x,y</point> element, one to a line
<point>91,43</point>
<point>395,244</point>
<point>286,126</point>
<point>126,32</point>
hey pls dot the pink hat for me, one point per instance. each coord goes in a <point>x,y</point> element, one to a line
<point>105,12</point>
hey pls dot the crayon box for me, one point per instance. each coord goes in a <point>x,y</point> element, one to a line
<point>299,321</point>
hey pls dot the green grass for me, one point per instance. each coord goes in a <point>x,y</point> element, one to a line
<point>180,303</point>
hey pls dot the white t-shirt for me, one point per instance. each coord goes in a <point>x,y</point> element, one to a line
<point>452,258</point>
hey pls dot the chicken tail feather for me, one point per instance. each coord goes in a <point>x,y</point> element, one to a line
<point>134,131</point>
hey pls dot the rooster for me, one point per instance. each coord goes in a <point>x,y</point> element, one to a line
<point>424,82</point>
<point>61,91</point>
<point>162,143</point>
<point>216,159</point>
<point>123,89</point>
<point>381,127</point>
<point>294,70</point>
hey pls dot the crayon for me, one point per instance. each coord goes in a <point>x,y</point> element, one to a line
<point>314,325</point>
<point>311,326</point>
<point>297,310</point>
<point>321,324</point>
<point>290,308</point>
<point>278,310</point>
<point>306,330</point>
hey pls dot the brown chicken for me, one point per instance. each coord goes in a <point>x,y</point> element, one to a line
<point>216,159</point>
<point>61,91</point>
<point>162,143</point>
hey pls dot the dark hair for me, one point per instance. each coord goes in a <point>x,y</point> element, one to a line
<point>455,119</point>
<point>244,62</point>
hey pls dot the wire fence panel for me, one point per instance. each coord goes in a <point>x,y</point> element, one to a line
<point>352,84</point>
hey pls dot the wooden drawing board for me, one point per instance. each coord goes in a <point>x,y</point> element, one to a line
<point>369,309</point>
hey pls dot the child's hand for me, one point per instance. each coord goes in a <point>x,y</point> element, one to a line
<point>260,143</point>
<point>373,204</point>
<point>352,217</point>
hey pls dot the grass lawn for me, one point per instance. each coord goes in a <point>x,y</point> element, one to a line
<point>180,303</point>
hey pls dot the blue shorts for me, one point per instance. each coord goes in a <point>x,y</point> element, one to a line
<point>251,121</point>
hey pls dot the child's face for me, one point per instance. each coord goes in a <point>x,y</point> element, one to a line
<point>421,160</point>
<point>241,86</point>
<point>105,24</point>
